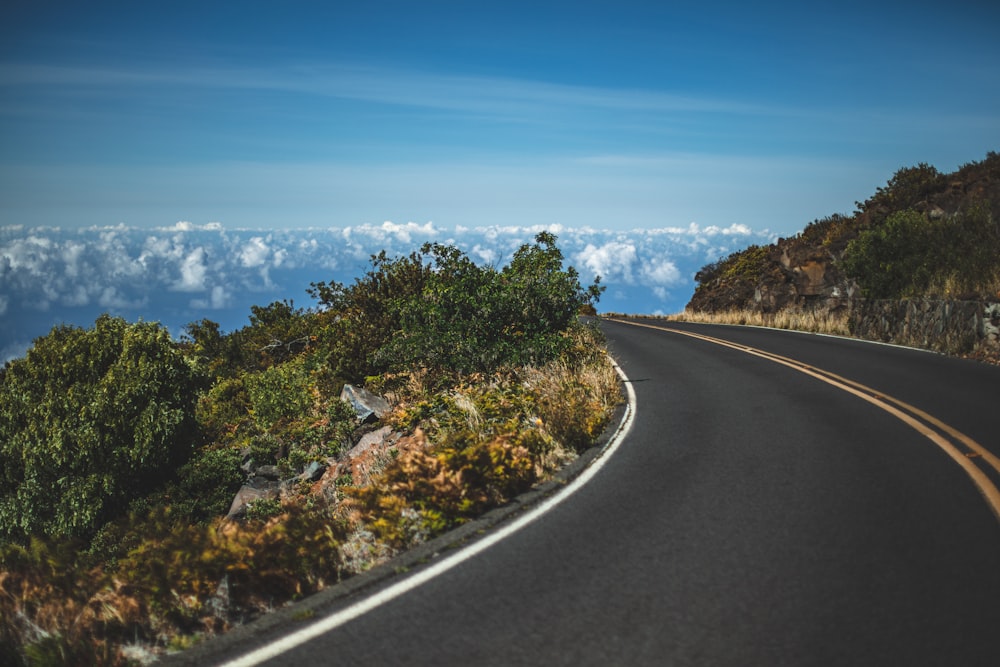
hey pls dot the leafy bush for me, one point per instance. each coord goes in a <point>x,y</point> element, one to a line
<point>263,509</point>
<point>205,485</point>
<point>54,612</point>
<point>830,232</point>
<point>907,188</point>
<point>470,319</point>
<point>92,419</point>
<point>197,578</point>
<point>360,318</point>
<point>279,394</point>
<point>970,265</point>
<point>912,255</point>
<point>747,265</point>
<point>224,411</point>
<point>893,259</point>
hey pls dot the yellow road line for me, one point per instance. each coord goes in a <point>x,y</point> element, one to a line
<point>905,412</point>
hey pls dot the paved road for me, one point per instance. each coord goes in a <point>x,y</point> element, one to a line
<point>754,515</point>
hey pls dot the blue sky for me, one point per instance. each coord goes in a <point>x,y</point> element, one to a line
<point>613,115</point>
<point>173,161</point>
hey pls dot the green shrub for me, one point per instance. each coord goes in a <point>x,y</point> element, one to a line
<point>263,509</point>
<point>907,187</point>
<point>223,410</point>
<point>894,259</point>
<point>912,255</point>
<point>91,420</point>
<point>970,265</point>
<point>280,394</point>
<point>359,319</point>
<point>205,485</point>
<point>473,319</point>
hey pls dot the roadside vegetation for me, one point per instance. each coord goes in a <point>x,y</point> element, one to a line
<point>823,322</point>
<point>925,234</point>
<point>914,255</point>
<point>121,449</point>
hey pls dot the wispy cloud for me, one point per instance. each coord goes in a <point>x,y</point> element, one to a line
<point>401,87</point>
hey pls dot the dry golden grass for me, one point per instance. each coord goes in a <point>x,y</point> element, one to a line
<point>813,322</point>
<point>574,402</point>
<point>470,447</point>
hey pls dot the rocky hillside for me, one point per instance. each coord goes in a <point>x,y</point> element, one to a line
<point>938,231</point>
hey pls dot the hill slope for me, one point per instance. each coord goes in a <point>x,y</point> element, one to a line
<point>925,234</point>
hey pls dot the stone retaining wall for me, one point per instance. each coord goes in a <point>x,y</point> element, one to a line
<point>952,327</point>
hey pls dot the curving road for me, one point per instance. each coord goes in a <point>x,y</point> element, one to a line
<point>754,515</point>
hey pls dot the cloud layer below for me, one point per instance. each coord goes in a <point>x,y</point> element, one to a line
<point>188,272</point>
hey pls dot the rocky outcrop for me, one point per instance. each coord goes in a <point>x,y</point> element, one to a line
<point>367,452</point>
<point>951,327</point>
<point>257,488</point>
<point>367,459</point>
<point>367,405</point>
<point>803,272</point>
<point>791,273</point>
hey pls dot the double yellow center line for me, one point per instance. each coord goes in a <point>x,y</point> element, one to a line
<point>965,451</point>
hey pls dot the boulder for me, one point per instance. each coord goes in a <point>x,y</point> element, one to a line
<point>367,406</point>
<point>313,472</point>
<point>246,461</point>
<point>268,472</point>
<point>255,489</point>
<point>371,440</point>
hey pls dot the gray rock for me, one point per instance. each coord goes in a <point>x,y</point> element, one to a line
<point>246,462</point>
<point>218,604</point>
<point>254,490</point>
<point>313,472</point>
<point>372,439</point>
<point>268,472</point>
<point>367,405</point>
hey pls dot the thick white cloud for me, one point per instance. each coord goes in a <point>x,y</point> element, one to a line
<point>613,261</point>
<point>660,272</point>
<point>391,231</point>
<point>71,254</point>
<point>185,226</point>
<point>193,270</point>
<point>186,272</point>
<point>255,252</point>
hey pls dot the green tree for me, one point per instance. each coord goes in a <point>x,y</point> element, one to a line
<point>220,355</point>
<point>90,420</point>
<point>896,259</point>
<point>970,243</point>
<point>469,318</point>
<point>452,323</point>
<point>360,318</point>
<point>543,299</point>
<point>907,187</point>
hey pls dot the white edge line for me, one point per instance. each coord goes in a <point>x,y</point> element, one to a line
<point>362,607</point>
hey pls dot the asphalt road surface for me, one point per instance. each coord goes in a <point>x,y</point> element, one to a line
<point>755,514</point>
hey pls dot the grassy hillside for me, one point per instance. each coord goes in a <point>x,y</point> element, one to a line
<point>121,450</point>
<point>924,234</point>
